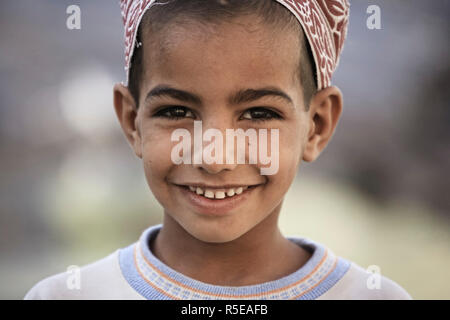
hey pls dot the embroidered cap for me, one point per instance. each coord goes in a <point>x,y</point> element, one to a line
<point>324,23</point>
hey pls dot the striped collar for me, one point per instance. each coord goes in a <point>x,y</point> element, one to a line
<point>153,279</point>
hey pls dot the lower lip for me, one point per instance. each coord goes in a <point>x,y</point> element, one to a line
<point>215,207</point>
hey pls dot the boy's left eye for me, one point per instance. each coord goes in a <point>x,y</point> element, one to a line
<point>260,114</point>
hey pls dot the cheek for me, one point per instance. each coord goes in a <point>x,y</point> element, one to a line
<point>291,144</point>
<point>289,152</point>
<point>156,149</point>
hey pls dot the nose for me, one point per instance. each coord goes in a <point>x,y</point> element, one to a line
<point>213,151</point>
<point>215,168</point>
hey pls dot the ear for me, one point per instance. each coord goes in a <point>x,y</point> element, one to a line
<point>127,112</point>
<point>324,113</point>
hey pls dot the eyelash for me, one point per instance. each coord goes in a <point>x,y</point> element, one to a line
<point>273,114</point>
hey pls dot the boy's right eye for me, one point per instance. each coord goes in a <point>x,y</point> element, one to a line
<point>174,113</point>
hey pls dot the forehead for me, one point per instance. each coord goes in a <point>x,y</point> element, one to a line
<point>241,53</point>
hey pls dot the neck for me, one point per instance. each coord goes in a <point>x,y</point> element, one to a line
<point>251,259</point>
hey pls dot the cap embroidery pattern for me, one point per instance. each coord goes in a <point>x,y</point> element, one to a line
<point>324,22</point>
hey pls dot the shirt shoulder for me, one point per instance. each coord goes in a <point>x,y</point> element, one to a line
<point>359,284</point>
<point>101,279</point>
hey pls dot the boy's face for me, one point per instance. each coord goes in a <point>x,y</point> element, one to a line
<point>214,66</point>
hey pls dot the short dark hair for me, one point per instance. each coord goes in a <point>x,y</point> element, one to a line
<point>215,12</point>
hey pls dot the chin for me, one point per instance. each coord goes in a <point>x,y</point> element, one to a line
<point>215,236</point>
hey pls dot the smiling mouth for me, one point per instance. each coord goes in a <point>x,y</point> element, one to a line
<point>216,201</point>
<point>218,193</point>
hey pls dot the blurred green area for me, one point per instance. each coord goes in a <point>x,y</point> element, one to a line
<point>409,242</point>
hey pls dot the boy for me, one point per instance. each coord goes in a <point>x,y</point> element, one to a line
<point>264,67</point>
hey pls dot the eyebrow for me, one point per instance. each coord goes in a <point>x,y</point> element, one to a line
<point>241,96</point>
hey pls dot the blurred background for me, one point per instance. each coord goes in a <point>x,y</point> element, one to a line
<point>72,191</point>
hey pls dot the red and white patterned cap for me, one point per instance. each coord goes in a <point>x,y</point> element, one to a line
<point>324,23</point>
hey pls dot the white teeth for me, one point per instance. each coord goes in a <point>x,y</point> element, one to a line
<point>209,193</point>
<point>219,194</point>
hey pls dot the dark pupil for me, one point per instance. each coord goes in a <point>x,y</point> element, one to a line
<point>260,114</point>
<point>178,112</point>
